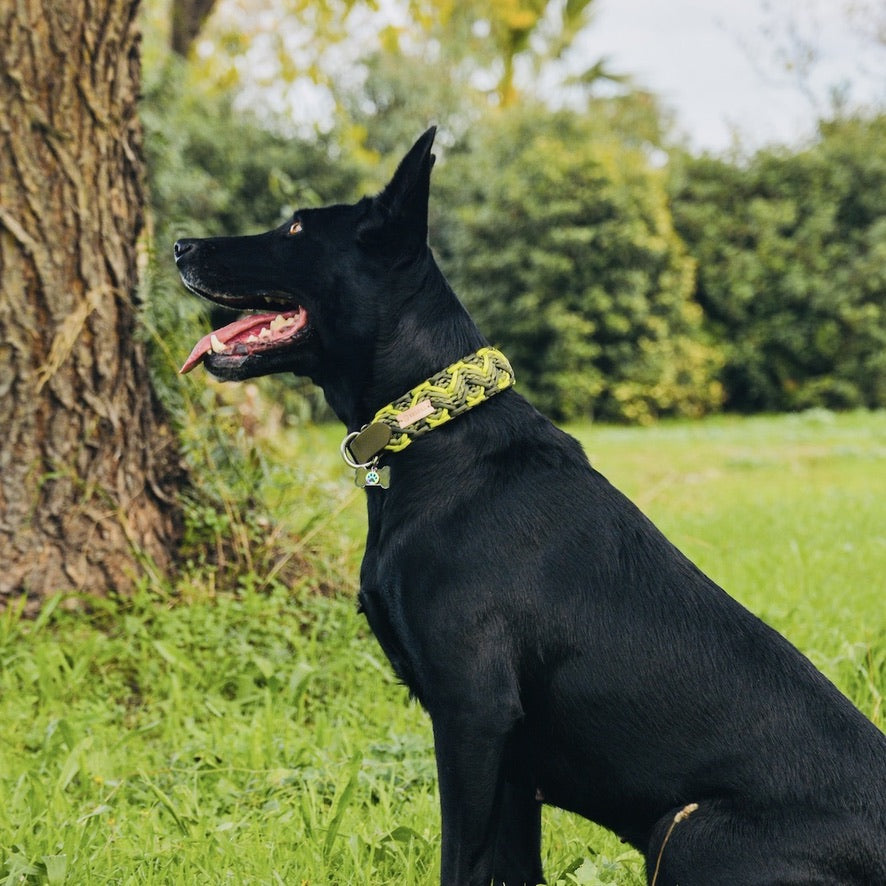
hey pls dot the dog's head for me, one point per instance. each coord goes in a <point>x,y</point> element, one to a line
<point>314,290</point>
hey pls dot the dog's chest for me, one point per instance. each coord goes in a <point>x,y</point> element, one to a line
<point>382,602</point>
<point>385,617</point>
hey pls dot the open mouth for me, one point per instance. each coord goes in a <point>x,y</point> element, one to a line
<point>253,334</point>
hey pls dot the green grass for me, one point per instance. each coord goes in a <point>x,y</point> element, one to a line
<point>244,737</point>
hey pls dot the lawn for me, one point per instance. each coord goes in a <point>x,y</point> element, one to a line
<point>255,735</point>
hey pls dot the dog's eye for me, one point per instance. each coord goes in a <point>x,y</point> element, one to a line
<point>295,227</point>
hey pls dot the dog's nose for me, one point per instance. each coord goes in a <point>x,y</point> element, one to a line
<point>182,248</point>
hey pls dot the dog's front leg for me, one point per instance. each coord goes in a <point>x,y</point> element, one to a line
<point>518,842</point>
<point>469,765</point>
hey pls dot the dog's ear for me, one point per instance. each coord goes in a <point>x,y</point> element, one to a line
<point>401,209</point>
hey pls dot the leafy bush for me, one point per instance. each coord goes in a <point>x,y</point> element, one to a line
<point>215,170</point>
<point>791,249</point>
<point>559,237</point>
<point>557,231</point>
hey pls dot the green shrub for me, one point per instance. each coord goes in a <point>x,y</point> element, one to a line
<point>791,249</point>
<point>559,238</point>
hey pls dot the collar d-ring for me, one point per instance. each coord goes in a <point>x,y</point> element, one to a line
<point>346,454</point>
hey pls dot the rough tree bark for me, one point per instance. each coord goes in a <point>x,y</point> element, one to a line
<point>88,465</point>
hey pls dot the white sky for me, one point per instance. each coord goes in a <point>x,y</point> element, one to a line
<point>716,62</point>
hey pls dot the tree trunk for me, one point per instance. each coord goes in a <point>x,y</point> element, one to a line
<point>88,464</point>
<point>188,17</point>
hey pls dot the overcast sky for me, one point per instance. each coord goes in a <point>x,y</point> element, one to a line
<point>716,62</point>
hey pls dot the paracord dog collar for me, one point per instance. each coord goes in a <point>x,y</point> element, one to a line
<point>456,389</point>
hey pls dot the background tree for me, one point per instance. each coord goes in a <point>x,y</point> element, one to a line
<point>299,59</point>
<point>489,41</point>
<point>90,468</point>
<point>457,67</point>
<point>791,248</point>
<point>558,235</point>
<point>188,17</point>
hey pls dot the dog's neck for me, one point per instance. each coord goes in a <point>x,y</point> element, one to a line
<point>423,329</point>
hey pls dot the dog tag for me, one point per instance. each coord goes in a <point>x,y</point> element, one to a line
<point>373,476</point>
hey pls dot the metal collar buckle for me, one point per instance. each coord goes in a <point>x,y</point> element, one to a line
<point>366,474</point>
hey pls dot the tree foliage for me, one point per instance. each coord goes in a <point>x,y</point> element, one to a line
<point>556,227</point>
<point>214,170</point>
<point>302,56</point>
<point>791,249</point>
<point>491,38</point>
<point>559,237</point>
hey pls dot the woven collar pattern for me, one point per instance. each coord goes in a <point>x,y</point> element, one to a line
<point>452,391</point>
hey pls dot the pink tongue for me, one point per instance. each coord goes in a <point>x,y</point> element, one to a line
<point>239,328</point>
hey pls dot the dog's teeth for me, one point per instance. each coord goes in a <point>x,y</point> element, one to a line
<point>265,334</point>
<point>278,323</point>
<point>216,344</point>
<point>252,339</point>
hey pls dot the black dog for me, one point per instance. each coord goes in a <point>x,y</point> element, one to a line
<point>567,653</point>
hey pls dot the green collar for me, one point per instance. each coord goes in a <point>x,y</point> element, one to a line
<point>456,389</point>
